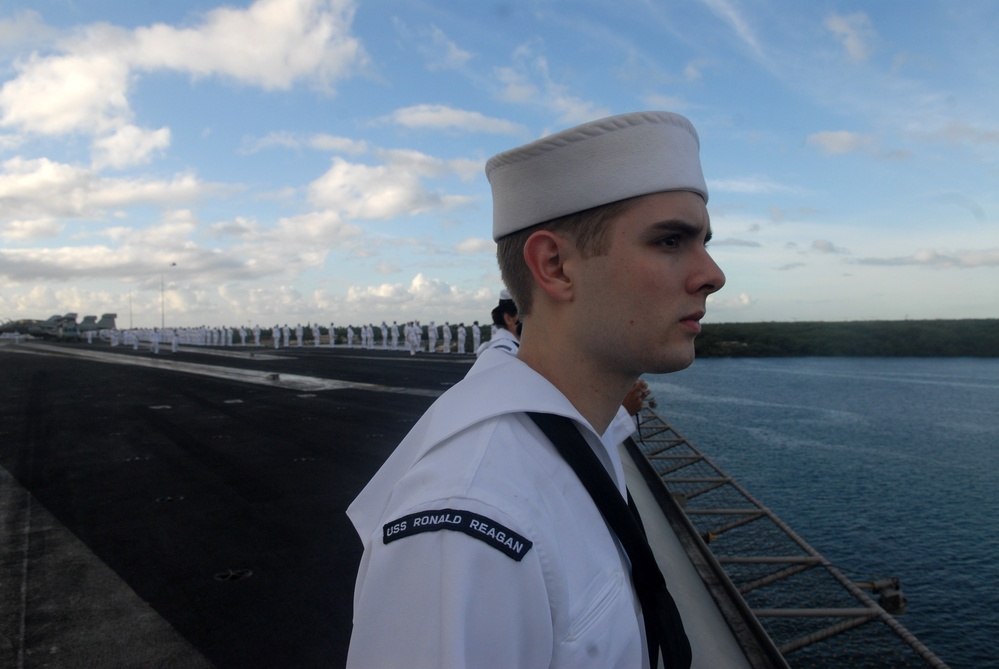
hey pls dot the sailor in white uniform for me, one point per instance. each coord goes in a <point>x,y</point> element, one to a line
<point>482,548</point>
<point>432,337</point>
<point>505,325</point>
<point>504,561</point>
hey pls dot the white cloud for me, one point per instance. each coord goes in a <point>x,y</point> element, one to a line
<point>316,229</point>
<point>941,258</point>
<point>738,302</point>
<point>833,142</point>
<point>129,145</point>
<point>474,245</point>
<point>855,31</point>
<point>10,142</point>
<point>323,142</point>
<point>727,12</point>
<point>318,142</point>
<point>42,188</point>
<point>25,28</point>
<point>139,254</point>
<point>444,53</point>
<point>64,94</point>
<point>238,228</point>
<point>270,44</point>
<point>442,117</point>
<point>958,132</point>
<point>518,86</point>
<point>395,188</point>
<point>694,70</point>
<point>750,185</point>
<point>669,102</point>
<point>735,242</point>
<point>465,168</point>
<point>370,192</point>
<point>34,229</point>
<point>423,297</point>
<point>826,246</point>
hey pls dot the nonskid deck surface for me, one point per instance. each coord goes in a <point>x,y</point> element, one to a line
<point>151,517</point>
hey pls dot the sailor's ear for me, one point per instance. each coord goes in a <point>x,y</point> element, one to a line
<point>545,253</point>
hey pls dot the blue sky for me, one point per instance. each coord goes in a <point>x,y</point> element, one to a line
<point>294,161</point>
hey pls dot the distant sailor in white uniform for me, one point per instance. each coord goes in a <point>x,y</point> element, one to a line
<point>432,337</point>
<point>482,547</point>
<point>506,323</point>
<point>462,335</point>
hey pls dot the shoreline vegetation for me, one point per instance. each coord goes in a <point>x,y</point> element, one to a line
<point>920,338</point>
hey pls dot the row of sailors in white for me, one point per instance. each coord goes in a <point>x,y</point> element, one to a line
<point>154,337</point>
<point>412,336</point>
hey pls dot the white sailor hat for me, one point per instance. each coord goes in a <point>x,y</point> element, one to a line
<point>505,295</point>
<point>591,165</point>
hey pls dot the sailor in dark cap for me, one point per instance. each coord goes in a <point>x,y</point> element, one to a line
<point>506,327</point>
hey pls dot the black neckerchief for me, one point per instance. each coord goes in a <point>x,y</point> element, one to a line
<point>663,626</point>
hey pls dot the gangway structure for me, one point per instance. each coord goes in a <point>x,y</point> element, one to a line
<point>788,604</point>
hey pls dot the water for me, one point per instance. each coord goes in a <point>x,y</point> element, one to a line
<point>887,466</point>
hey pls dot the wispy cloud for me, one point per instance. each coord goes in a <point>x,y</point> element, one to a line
<point>826,246</point>
<point>835,142</point>
<point>442,117</point>
<point>291,140</point>
<point>730,14</point>
<point>443,53</point>
<point>528,81</point>
<point>940,258</point>
<point>476,245</point>
<point>854,31</point>
<point>731,241</point>
<point>754,185</point>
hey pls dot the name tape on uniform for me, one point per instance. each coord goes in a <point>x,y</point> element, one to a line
<point>479,527</point>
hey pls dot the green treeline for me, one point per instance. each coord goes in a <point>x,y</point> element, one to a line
<point>944,338</point>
